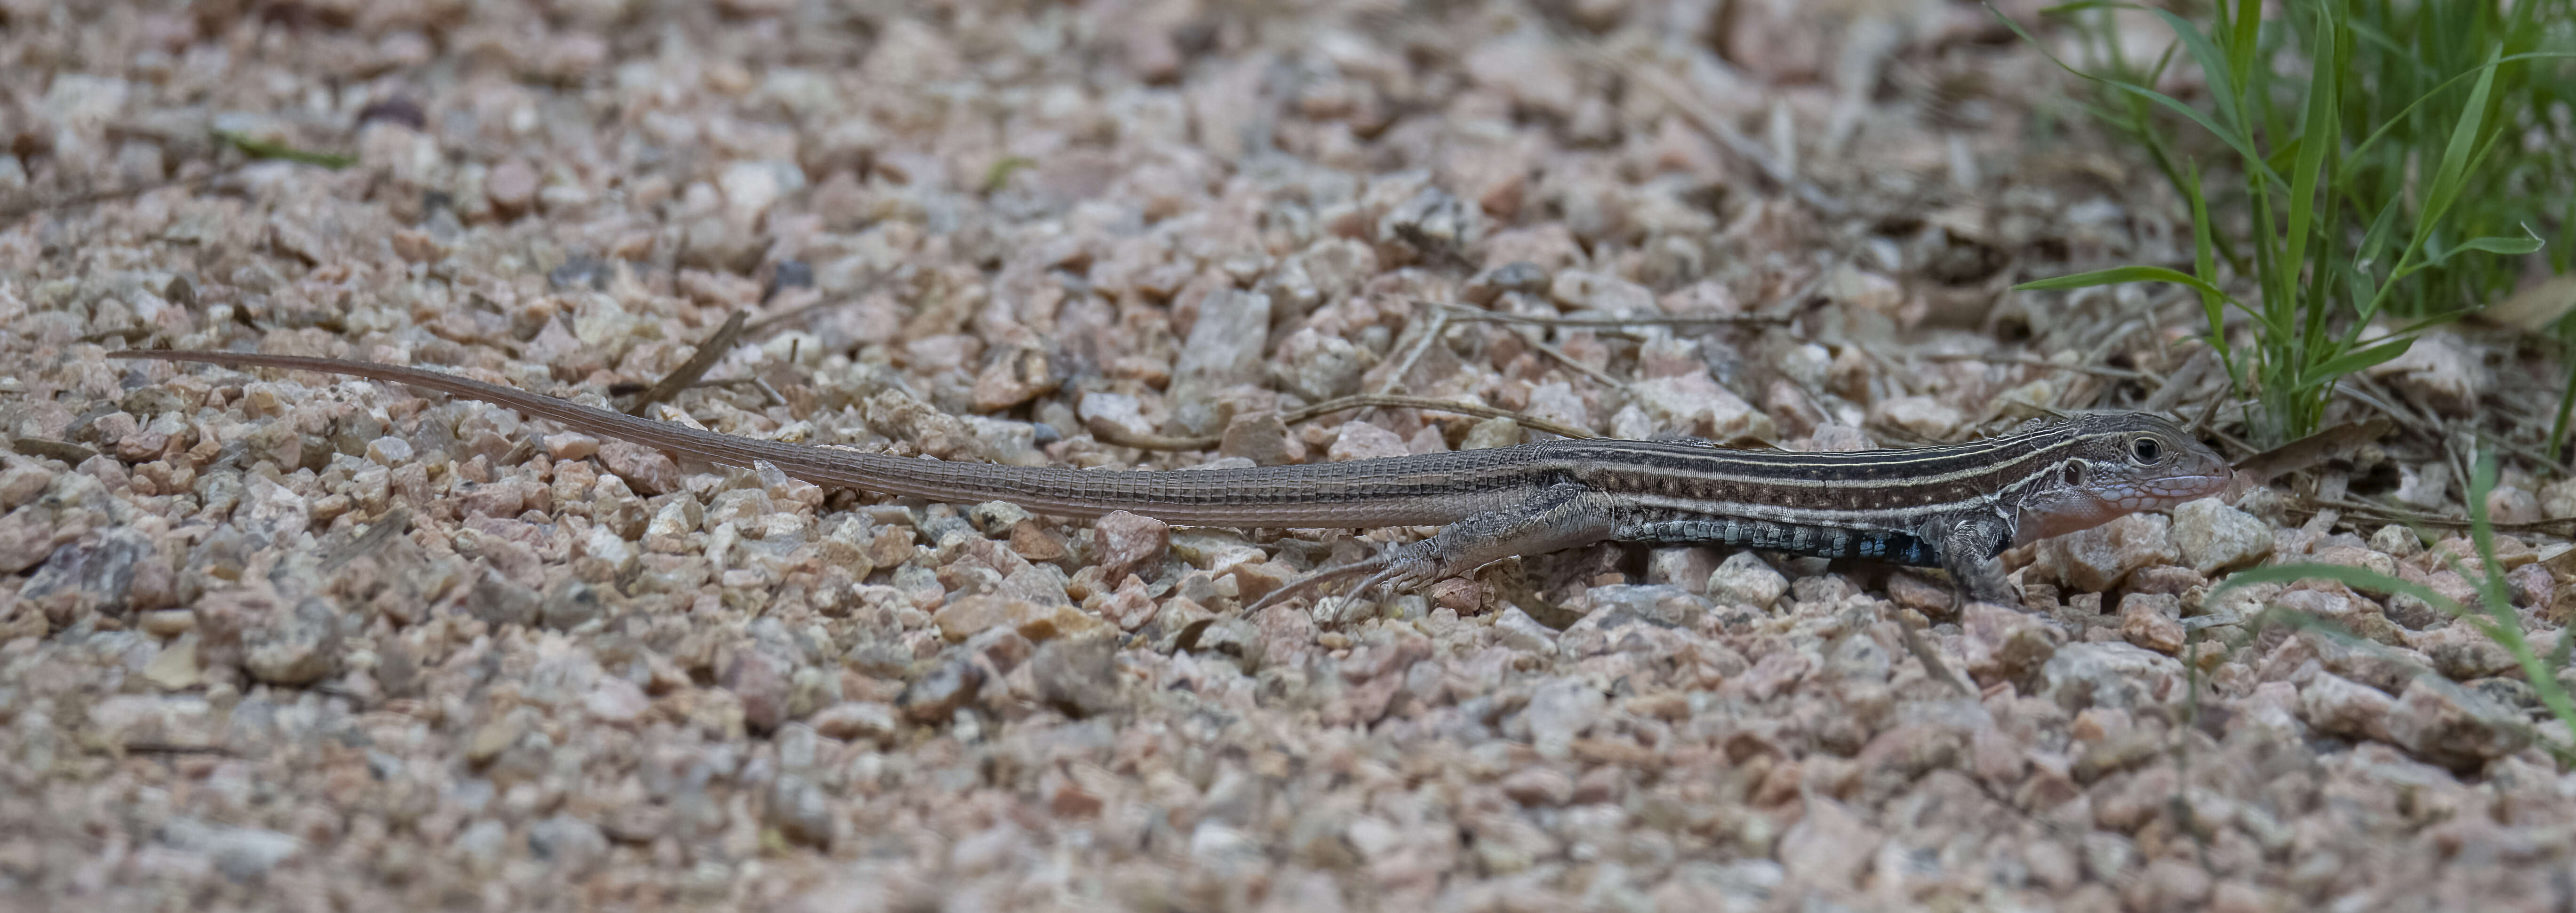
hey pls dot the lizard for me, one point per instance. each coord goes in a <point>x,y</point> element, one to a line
<point>1954,507</point>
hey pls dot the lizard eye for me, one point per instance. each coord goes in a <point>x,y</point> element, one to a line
<point>2147,450</point>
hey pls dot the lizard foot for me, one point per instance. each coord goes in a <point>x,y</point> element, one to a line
<point>1303,584</point>
<point>1397,569</point>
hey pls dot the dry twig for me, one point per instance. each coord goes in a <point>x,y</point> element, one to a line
<point>708,353</point>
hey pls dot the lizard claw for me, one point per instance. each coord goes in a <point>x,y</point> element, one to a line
<point>1408,567</point>
<point>1310,581</point>
<point>1361,591</point>
<point>1397,569</point>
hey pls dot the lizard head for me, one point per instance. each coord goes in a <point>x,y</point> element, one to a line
<point>2119,463</point>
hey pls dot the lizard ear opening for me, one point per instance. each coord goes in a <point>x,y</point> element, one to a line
<point>2075,474</point>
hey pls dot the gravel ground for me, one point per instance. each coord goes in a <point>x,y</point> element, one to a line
<point>291,641</point>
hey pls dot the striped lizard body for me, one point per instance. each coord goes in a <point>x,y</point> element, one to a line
<point>1955,507</point>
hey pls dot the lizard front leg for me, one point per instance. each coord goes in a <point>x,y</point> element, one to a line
<point>1555,519</point>
<point>1968,549</point>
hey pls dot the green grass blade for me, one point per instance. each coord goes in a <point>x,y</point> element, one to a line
<point>2268,276</point>
<point>2374,243</point>
<point>2564,256</point>
<point>2117,275</point>
<point>2082,6</point>
<point>264,149</point>
<point>2226,78</point>
<point>2356,578</point>
<point>2387,46</point>
<point>2505,625</point>
<point>2453,170</point>
<point>2360,287</point>
<point>2243,44</point>
<point>2448,175</point>
<point>2490,581</point>
<point>2212,301</point>
<point>2234,139</point>
<point>2419,325</point>
<point>2566,405</point>
<point>2354,158</point>
<point>2285,156</point>
<point>2350,362</point>
<point>2362,271</point>
<point>2316,136</point>
<point>2511,247</point>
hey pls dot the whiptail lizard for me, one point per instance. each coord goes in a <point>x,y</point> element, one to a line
<point>1955,507</point>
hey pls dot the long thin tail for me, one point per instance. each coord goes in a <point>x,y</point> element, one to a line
<point>1401,491</point>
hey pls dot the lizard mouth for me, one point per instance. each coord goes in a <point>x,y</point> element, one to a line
<point>2173,491</point>
<point>2062,517</point>
<point>2079,511</point>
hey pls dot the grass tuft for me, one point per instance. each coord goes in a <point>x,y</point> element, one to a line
<point>2385,168</point>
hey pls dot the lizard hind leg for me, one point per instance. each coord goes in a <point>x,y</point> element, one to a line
<point>1556,518</point>
<point>1399,567</point>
